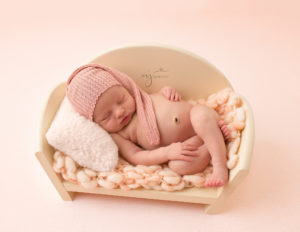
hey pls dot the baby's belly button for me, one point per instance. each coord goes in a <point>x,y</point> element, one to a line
<point>174,121</point>
<point>176,130</point>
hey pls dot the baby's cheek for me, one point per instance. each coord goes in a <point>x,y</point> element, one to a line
<point>98,123</point>
<point>112,127</point>
<point>105,126</point>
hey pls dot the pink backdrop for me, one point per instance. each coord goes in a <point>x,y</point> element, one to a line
<point>254,43</point>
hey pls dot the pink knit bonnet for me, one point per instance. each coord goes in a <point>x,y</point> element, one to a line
<point>87,83</point>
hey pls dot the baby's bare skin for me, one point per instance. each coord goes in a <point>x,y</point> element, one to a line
<point>180,121</point>
<point>189,136</point>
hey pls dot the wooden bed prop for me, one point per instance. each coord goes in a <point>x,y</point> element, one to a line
<point>153,67</point>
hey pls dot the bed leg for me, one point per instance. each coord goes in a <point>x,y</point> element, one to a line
<point>217,206</point>
<point>225,192</point>
<point>55,178</point>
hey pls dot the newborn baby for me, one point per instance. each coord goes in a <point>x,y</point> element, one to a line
<point>151,129</point>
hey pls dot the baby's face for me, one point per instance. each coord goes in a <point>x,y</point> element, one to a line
<point>114,109</point>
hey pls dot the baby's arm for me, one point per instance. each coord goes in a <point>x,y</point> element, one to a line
<point>136,155</point>
<point>170,93</point>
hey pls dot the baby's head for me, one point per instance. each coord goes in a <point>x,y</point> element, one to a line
<point>110,98</point>
<point>98,96</point>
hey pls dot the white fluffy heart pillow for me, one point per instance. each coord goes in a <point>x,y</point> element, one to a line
<point>83,140</point>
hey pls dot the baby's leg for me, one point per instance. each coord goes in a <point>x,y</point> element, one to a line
<point>198,164</point>
<point>205,122</point>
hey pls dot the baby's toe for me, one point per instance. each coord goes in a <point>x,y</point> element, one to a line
<point>220,183</point>
<point>221,123</point>
<point>208,183</point>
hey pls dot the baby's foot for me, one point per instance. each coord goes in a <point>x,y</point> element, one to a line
<point>224,129</point>
<point>219,176</point>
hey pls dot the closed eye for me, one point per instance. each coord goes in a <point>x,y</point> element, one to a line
<point>106,117</point>
<point>121,100</point>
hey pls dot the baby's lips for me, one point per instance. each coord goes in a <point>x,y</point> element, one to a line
<point>126,118</point>
<point>123,119</point>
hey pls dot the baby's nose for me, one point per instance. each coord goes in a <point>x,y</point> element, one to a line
<point>119,112</point>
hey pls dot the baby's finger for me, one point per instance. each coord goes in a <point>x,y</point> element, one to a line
<point>189,153</point>
<point>185,158</point>
<point>189,147</point>
<point>168,94</point>
<point>173,95</point>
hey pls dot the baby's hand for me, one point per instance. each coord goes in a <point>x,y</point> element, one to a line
<point>170,93</point>
<point>182,151</point>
